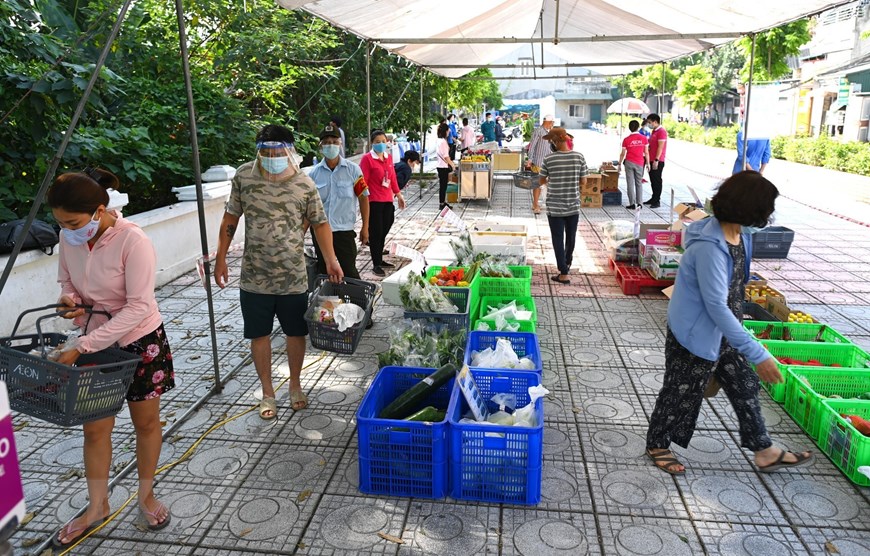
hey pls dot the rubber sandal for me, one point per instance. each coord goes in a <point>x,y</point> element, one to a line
<point>665,461</point>
<point>55,540</point>
<point>144,513</point>
<point>268,404</point>
<point>779,464</point>
<point>297,397</point>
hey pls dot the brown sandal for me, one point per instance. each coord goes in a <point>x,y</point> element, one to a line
<point>779,464</point>
<point>666,461</point>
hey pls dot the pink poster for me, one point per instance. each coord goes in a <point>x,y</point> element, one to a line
<point>12,499</point>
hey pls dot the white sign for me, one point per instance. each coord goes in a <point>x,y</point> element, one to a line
<point>763,107</point>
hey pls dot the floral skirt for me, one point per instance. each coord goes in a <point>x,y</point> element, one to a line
<point>155,374</point>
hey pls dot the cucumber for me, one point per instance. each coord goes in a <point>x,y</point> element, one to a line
<point>406,403</point>
<point>428,414</point>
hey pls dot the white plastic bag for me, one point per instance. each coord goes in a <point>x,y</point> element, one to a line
<point>502,356</point>
<point>525,416</point>
<point>347,315</point>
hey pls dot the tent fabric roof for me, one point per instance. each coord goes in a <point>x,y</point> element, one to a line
<point>614,36</point>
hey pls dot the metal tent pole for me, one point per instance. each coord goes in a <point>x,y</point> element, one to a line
<point>369,92</point>
<point>662,103</point>
<point>67,136</point>
<point>422,137</point>
<point>746,105</point>
<point>622,105</point>
<point>197,178</point>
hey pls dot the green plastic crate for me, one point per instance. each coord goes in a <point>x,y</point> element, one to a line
<point>804,401</point>
<point>844,355</point>
<point>847,448</point>
<point>799,332</point>
<point>528,304</point>
<point>525,325</point>
<point>520,285</point>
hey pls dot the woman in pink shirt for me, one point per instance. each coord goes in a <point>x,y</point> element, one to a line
<point>109,263</point>
<point>380,175</point>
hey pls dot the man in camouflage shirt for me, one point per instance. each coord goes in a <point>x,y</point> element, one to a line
<point>277,200</point>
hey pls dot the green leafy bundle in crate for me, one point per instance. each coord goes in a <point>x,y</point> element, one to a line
<point>842,442</point>
<point>809,386</point>
<point>519,285</point>
<point>799,332</point>
<point>526,303</point>
<point>812,354</point>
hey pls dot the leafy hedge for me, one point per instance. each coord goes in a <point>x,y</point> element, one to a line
<point>849,156</point>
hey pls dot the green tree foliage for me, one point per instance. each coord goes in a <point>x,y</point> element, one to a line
<point>647,82</point>
<point>772,48</point>
<point>695,87</point>
<point>724,62</point>
<point>252,63</point>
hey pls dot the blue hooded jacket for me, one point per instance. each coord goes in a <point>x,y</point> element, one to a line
<point>698,313</point>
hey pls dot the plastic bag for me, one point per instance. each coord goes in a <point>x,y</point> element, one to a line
<point>501,325</point>
<point>326,306</point>
<point>420,296</point>
<point>526,416</point>
<point>494,268</point>
<point>617,231</point>
<point>506,311</point>
<point>417,343</point>
<point>347,315</point>
<point>463,249</point>
<point>502,356</point>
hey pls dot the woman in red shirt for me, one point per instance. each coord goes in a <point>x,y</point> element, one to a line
<point>380,176</point>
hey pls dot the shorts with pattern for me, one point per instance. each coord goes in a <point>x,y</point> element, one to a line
<point>155,374</point>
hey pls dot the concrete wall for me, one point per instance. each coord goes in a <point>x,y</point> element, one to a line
<point>174,230</point>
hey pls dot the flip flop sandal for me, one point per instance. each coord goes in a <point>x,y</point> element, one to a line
<point>144,513</point>
<point>666,461</point>
<point>297,397</point>
<point>779,464</point>
<point>266,405</point>
<point>82,531</point>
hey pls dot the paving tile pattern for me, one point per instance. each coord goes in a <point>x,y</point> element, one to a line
<point>291,486</point>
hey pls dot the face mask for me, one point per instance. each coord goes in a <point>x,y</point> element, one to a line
<point>751,229</point>
<point>380,148</point>
<point>274,164</point>
<point>330,151</point>
<point>81,235</point>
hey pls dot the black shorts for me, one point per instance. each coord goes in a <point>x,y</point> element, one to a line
<point>260,309</point>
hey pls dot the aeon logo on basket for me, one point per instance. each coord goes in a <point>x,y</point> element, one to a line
<point>27,372</point>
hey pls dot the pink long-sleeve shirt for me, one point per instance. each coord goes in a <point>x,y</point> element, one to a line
<point>116,276</point>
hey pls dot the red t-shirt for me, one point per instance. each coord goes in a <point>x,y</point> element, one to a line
<point>634,145</point>
<point>660,134</point>
<point>377,173</point>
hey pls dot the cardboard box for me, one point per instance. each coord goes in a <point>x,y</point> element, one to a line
<point>591,187</point>
<point>778,308</point>
<point>686,214</point>
<point>669,291</point>
<point>591,200</point>
<point>762,294</point>
<point>645,254</point>
<point>756,279</point>
<point>663,237</point>
<point>666,256</point>
<point>610,180</point>
<point>507,162</point>
<point>663,272</point>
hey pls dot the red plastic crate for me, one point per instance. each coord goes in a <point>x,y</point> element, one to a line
<point>632,278</point>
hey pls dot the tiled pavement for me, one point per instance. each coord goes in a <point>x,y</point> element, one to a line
<point>290,486</point>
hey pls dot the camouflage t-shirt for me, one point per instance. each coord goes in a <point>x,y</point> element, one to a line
<point>274,212</point>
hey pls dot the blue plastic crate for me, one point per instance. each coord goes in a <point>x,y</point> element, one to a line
<point>525,344</point>
<point>611,198</point>
<point>491,463</point>
<point>402,458</point>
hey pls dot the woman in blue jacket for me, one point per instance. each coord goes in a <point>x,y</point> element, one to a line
<point>705,337</point>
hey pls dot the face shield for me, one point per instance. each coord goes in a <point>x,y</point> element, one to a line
<point>275,157</point>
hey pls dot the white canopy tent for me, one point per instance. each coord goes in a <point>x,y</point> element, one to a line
<point>453,37</point>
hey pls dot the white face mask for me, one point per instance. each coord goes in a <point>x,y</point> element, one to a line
<point>82,235</point>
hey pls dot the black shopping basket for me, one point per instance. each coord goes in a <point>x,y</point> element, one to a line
<point>527,180</point>
<point>327,336</point>
<point>67,396</point>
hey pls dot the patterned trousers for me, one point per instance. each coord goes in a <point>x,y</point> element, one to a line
<point>679,402</point>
